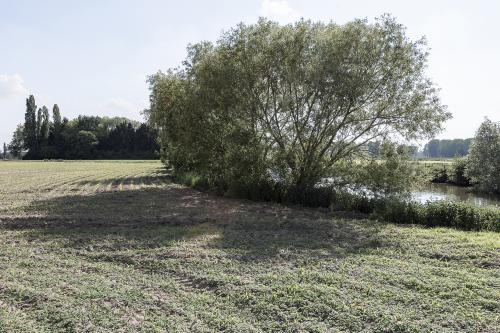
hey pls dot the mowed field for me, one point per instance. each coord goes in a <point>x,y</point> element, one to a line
<point>117,247</point>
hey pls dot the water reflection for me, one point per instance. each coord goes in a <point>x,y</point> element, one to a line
<point>434,192</point>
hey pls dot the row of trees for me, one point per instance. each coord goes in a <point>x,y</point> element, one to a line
<point>447,148</point>
<point>375,149</point>
<point>271,103</point>
<point>86,137</point>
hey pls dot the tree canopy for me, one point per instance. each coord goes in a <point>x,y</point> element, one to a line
<point>483,165</point>
<point>290,101</point>
<point>447,148</point>
<point>86,137</point>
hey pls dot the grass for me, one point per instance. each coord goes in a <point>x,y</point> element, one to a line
<point>116,247</point>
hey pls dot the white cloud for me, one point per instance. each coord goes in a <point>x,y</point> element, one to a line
<point>278,10</point>
<point>120,104</point>
<point>11,86</point>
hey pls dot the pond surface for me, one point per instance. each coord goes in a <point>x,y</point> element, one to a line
<point>434,192</point>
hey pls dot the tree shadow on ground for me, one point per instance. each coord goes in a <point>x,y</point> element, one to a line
<point>152,218</point>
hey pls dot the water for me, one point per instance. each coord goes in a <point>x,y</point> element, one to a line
<point>434,192</point>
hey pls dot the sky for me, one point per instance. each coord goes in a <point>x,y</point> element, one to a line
<point>93,57</point>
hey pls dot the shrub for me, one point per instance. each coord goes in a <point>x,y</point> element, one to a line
<point>458,215</point>
<point>344,201</point>
<point>397,211</point>
<point>462,216</point>
<point>439,174</point>
<point>192,180</point>
<point>457,172</point>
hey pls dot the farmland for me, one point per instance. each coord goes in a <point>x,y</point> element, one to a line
<point>115,246</point>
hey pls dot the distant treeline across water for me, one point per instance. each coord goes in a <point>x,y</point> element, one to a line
<point>447,148</point>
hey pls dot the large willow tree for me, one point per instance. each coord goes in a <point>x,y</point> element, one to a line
<point>288,102</point>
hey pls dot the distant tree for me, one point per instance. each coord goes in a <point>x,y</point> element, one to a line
<point>45,126</point>
<point>483,166</point>
<point>86,137</point>
<point>87,123</point>
<point>447,148</point>
<point>56,118</point>
<point>146,139</point>
<point>16,145</point>
<point>38,128</point>
<point>85,144</point>
<point>30,124</point>
<point>431,149</point>
<point>55,138</point>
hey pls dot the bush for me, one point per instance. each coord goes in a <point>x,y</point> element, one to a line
<point>458,215</point>
<point>396,211</point>
<point>192,180</point>
<point>441,214</point>
<point>343,201</point>
<point>458,176</point>
<point>439,174</point>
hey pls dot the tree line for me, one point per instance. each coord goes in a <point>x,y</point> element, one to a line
<point>447,148</point>
<point>86,137</point>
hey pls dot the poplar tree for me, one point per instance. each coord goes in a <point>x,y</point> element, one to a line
<point>56,118</point>
<point>44,128</point>
<point>38,127</point>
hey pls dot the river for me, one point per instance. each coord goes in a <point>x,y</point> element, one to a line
<point>434,192</point>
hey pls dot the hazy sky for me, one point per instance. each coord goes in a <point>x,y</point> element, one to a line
<point>93,57</point>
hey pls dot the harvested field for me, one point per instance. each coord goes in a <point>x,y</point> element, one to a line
<point>115,246</point>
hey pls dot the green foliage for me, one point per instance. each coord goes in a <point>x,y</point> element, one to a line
<point>345,201</point>
<point>86,137</point>
<point>440,213</point>
<point>454,173</point>
<point>38,131</point>
<point>458,168</point>
<point>85,143</point>
<point>483,167</point>
<point>192,180</point>
<point>30,125</point>
<point>45,126</point>
<point>447,148</point>
<point>271,103</point>
<point>439,174</point>
<point>391,174</point>
<point>16,145</point>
